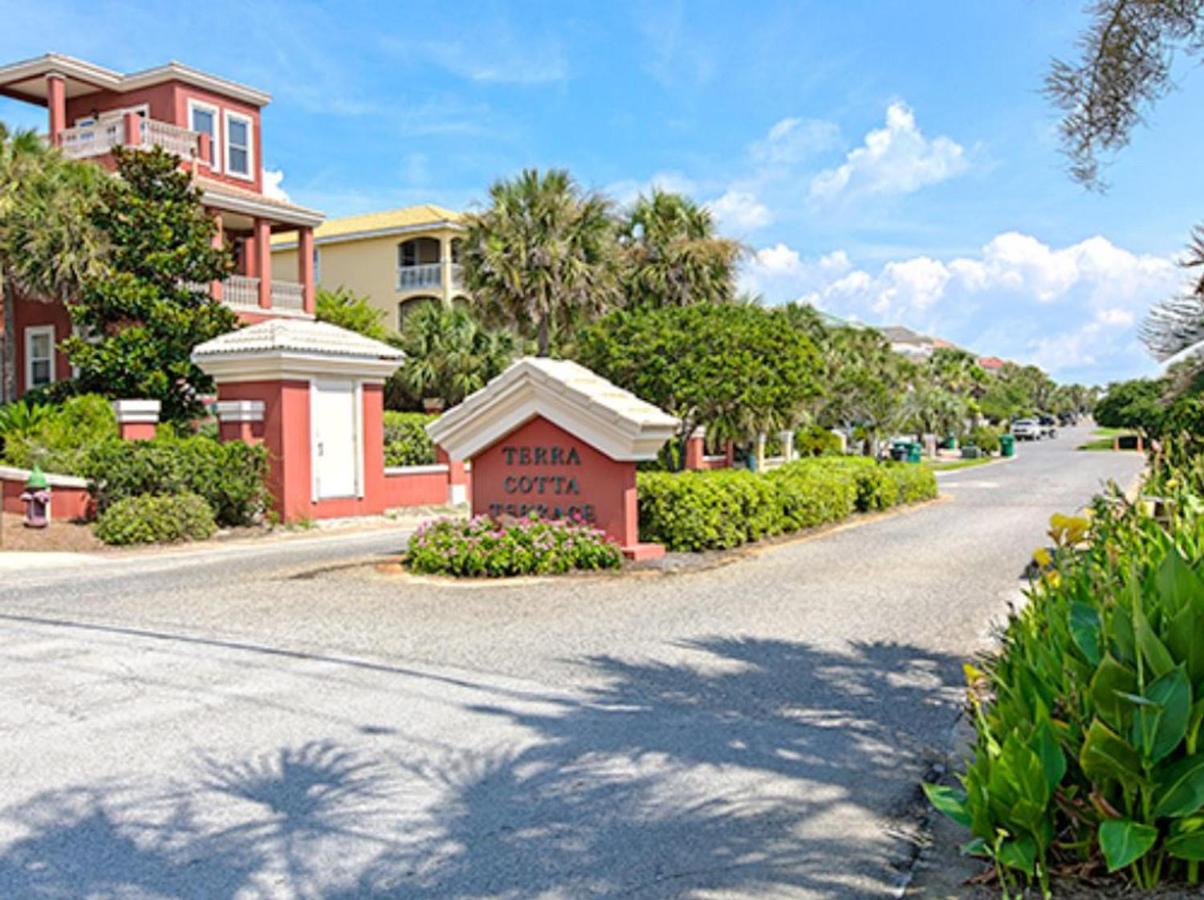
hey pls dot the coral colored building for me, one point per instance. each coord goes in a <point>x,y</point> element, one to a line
<point>214,126</point>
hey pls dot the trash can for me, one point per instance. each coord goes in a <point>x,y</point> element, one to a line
<point>1007,445</point>
<point>899,451</point>
<point>949,443</point>
<point>969,451</point>
<point>915,452</point>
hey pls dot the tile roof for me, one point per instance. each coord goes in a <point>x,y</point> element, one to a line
<point>298,336</point>
<point>408,217</point>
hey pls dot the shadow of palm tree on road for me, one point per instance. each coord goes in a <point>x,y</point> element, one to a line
<point>734,770</point>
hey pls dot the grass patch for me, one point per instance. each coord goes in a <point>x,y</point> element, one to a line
<point>950,465</point>
<point>1102,438</point>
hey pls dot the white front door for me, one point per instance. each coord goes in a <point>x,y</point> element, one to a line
<point>336,438</point>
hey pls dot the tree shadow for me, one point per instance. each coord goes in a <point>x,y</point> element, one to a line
<point>745,765</point>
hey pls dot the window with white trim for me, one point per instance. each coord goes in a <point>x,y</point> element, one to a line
<point>202,118</point>
<point>240,152</point>
<point>39,356</point>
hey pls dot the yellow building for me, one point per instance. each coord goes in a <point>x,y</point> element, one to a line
<point>397,258</point>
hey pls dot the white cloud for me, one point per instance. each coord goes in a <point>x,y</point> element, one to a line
<point>793,140</point>
<point>1072,310</point>
<point>272,179</point>
<point>895,159</point>
<point>740,211</point>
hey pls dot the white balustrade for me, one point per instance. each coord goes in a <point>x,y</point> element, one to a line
<point>240,291</point>
<point>428,275</point>
<point>288,295</point>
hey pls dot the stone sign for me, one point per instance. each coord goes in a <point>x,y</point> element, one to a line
<point>552,438</point>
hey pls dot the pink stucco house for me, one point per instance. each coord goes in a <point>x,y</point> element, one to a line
<point>213,126</point>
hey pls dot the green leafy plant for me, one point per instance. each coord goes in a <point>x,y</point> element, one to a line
<point>156,519</point>
<point>1088,723</point>
<point>56,438</point>
<point>406,440</point>
<point>985,438</point>
<point>346,309</point>
<point>485,548</point>
<point>230,476</point>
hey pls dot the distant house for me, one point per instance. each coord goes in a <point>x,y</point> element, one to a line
<point>990,364</point>
<point>910,343</point>
<point>398,259</point>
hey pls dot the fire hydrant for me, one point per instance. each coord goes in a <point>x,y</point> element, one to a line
<point>37,500</point>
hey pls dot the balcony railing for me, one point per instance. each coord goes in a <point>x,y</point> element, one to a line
<point>99,138</point>
<point>288,295</point>
<point>427,275</point>
<point>241,292</point>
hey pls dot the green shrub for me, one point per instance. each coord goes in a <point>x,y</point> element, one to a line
<point>482,547</point>
<point>812,492</point>
<point>816,441</point>
<point>1088,746</point>
<point>151,519</point>
<point>406,440</point>
<point>230,476</point>
<point>914,483</point>
<point>56,437</point>
<point>985,438</point>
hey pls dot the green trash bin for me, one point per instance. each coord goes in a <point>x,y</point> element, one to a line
<point>914,452</point>
<point>969,451</point>
<point>1007,444</point>
<point>899,451</point>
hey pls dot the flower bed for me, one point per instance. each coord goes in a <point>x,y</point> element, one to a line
<point>482,547</point>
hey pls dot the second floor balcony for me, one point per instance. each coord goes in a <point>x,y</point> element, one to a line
<point>131,130</point>
<point>241,293</point>
<point>428,275</point>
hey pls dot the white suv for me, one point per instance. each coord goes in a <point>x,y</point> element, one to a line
<point>1026,430</point>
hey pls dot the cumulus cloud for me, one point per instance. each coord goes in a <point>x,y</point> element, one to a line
<point>894,159</point>
<point>740,211</point>
<point>1072,310</point>
<point>272,179</point>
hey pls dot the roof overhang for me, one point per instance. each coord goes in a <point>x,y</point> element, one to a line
<point>292,365</point>
<point>629,430</point>
<point>376,233</point>
<point>255,206</point>
<point>26,79</point>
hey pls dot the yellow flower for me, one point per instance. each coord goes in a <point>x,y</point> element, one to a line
<point>1042,558</point>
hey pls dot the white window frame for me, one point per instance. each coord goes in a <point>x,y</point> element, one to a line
<point>35,331</point>
<point>229,117</point>
<point>215,144</point>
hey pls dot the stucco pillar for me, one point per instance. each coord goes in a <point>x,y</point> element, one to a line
<point>445,268</point>
<point>262,252</point>
<point>240,420</point>
<point>305,268</point>
<point>131,124</point>
<point>56,105</point>
<point>457,477</point>
<point>696,449</point>
<point>136,419</point>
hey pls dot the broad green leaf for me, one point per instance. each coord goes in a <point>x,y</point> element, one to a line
<point>1183,640</point>
<point>1111,682</point>
<point>1179,787</point>
<point>976,847</point>
<point>1154,651</point>
<point>1053,760</point>
<point>949,801</point>
<point>1178,586</point>
<point>1106,755</point>
<point>1084,630</point>
<point>1024,768</point>
<point>1172,692</point>
<point>1186,840</point>
<point>1019,853</point>
<point>1124,842</point>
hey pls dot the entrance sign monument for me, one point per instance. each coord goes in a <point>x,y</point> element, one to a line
<point>551,437</point>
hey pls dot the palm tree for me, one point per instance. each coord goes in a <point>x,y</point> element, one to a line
<point>47,243</point>
<point>543,256</point>
<point>673,256</point>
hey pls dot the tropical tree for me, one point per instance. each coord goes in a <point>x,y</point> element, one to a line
<point>449,354</point>
<point>672,255</point>
<point>543,257</point>
<point>347,309</point>
<point>957,371</point>
<point>142,314</point>
<point>1128,53</point>
<point>738,370</point>
<point>1136,404</point>
<point>48,246</point>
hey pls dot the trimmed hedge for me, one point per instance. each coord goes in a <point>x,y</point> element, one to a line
<point>229,476</point>
<point>406,440</point>
<point>725,508</point>
<point>156,519</point>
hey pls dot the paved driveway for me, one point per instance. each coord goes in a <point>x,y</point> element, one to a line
<point>266,723</point>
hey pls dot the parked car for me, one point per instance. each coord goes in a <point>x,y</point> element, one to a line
<point>1026,430</point>
<point>1068,419</point>
<point>1049,426</point>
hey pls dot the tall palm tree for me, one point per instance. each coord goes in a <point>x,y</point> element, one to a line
<point>673,255</point>
<point>48,246</point>
<point>543,255</point>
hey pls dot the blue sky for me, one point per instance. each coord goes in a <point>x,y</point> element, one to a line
<point>890,161</point>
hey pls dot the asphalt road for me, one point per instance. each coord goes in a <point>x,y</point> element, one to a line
<point>286,721</point>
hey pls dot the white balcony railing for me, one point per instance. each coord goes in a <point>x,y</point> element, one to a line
<point>457,275</point>
<point>241,292</point>
<point>428,275</point>
<point>99,138</point>
<point>288,295</point>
